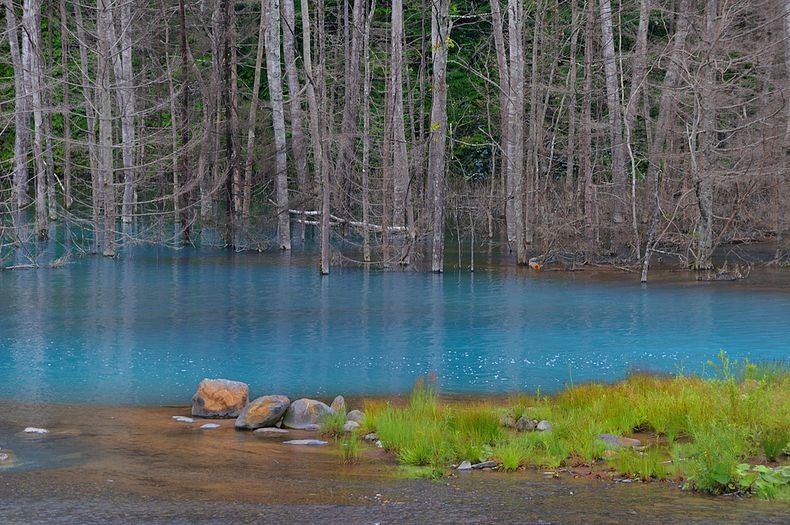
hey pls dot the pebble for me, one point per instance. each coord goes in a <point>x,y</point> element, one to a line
<point>36,430</point>
<point>371,437</point>
<point>307,442</point>
<point>270,431</point>
<point>465,465</point>
<point>209,426</point>
<point>350,426</point>
<point>183,419</point>
<point>543,426</point>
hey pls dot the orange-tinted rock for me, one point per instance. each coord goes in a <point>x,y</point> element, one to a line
<point>265,411</point>
<point>304,413</point>
<point>219,398</point>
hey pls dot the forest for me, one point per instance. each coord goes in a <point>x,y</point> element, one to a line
<point>576,130</point>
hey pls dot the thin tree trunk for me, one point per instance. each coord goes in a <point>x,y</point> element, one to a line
<point>515,142</point>
<point>66,112</point>
<point>21,111</point>
<point>571,151</point>
<point>504,97</point>
<point>232,138</point>
<point>586,160</point>
<point>366,135</point>
<point>104,19</point>
<point>184,124</point>
<point>615,110</point>
<point>298,146</point>
<point>400,161</point>
<point>251,120</point>
<point>274,74</point>
<point>440,39</point>
<point>534,141</point>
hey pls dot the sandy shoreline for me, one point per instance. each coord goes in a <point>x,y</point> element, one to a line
<point>132,465</point>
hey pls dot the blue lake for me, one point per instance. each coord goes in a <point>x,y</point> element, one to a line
<point>147,327</point>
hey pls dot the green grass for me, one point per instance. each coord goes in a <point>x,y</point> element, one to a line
<point>700,430</point>
<point>332,424</point>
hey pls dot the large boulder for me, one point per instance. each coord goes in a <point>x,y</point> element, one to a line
<point>304,413</point>
<point>265,411</point>
<point>220,398</point>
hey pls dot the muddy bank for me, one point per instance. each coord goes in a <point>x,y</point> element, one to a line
<point>137,465</point>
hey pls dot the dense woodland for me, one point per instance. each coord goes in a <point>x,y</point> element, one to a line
<point>581,129</point>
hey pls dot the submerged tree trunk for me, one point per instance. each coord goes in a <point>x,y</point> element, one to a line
<point>266,14</point>
<point>504,97</point>
<point>585,153</point>
<point>66,111</point>
<point>440,40</point>
<point>21,111</point>
<point>366,136</point>
<point>105,164</point>
<point>515,135</point>
<point>400,161</point>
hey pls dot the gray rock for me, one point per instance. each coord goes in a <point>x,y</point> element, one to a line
<point>356,415</point>
<point>543,426</point>
<point>209,426</point>
<point>524,424</point>
<point>264,411</point>
<point>312,427</point>
<point>619,441</point>
<point>270,431</point>
<point>371,437</point>
<point>484,464</point>
<point>183,419</point>
<point>465,465</point>
<point>379,444</point>
<point>306,442</point>
<point>350,426</point>
<point>220,398</point>
<point>508,421</point>
<point>36,430</point>
<point>304,412</point>
<point>338,405</point>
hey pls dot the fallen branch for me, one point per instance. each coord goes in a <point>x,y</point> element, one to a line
<point>340,220</point>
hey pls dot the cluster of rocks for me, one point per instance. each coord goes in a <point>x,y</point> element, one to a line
<point>267,415</point>
<point>525,424</point>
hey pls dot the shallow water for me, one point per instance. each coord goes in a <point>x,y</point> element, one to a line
<point>145,328</point>
<point>136,465</point>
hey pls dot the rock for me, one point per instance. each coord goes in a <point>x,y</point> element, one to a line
<point>525,424</point>
<point>609,454</point>
<point>508,421</point>
<point>356,415</point>
<point>209,426</point>
<point>36,430</point>
<point>484,464</point>
<point>379,444</point>
<point>304,412</point>
<point>312,427</point>
<point>543,426</point>
<point>270,431</point>
<point>183,419</point>
<point>306,442</point>
<point>465,465</point>
<point>338,405</point>
<point>619,441</point>
<point>7,459</point>
<point>371,437</point>
<point>350,426</point>
<point>263,412</point>
<point>220,398</point>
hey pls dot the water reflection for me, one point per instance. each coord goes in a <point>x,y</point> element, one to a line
<point>146,327</point>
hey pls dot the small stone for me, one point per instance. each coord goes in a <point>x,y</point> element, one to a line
<point>356,415</point>
<point>350,426</point>
<point>371,437</point>
<point>306,442</point>
<point>465,465</point>
<point>209,426</point>
<point>379,444</point>
<point>312,427</point>
<point>220,398</point>
<point>264,411</point>
<point>484,464</point>
<point>36,430</point>
<point>525,424</point>
<point>183,419</point>
<point>270,431</point>
<point>609,454</point>
<point>619,441</point>
<point>338,405</point>
<point>508,421</point>
<point>543,426</point>
<point>304,412</point>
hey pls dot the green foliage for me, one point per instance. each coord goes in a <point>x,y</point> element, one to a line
<point>645,465</point>
<point>765,482</point>
<point>349,447</point>
<point>332,424</point>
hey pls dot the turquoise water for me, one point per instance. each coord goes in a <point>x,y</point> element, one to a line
<point>147,327</point>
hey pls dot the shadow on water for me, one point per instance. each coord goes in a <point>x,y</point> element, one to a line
<point>137,465</point>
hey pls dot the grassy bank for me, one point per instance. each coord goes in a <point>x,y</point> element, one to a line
<point>723,435</point>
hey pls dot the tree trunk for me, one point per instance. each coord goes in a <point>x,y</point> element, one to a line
<point>105,162</point>
<point>440,39</point>
<point>515,135</point>
<point>184,124</point>
<point>366,135</point>
<point>265,18</point>
<point>400,161</point>
<point>504,97</point>
<point>66,111</point>
<point>615,110</point>
<point>571,151</point>
<point>274,75</point>
<point>232,138</point>
<point>21,111</point>
<point>585,153</point>
<point>298,147</point>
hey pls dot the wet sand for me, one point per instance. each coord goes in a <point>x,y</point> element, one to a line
<point>137,465</point>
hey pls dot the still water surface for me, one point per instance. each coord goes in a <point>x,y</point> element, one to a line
<point>145,328</point>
